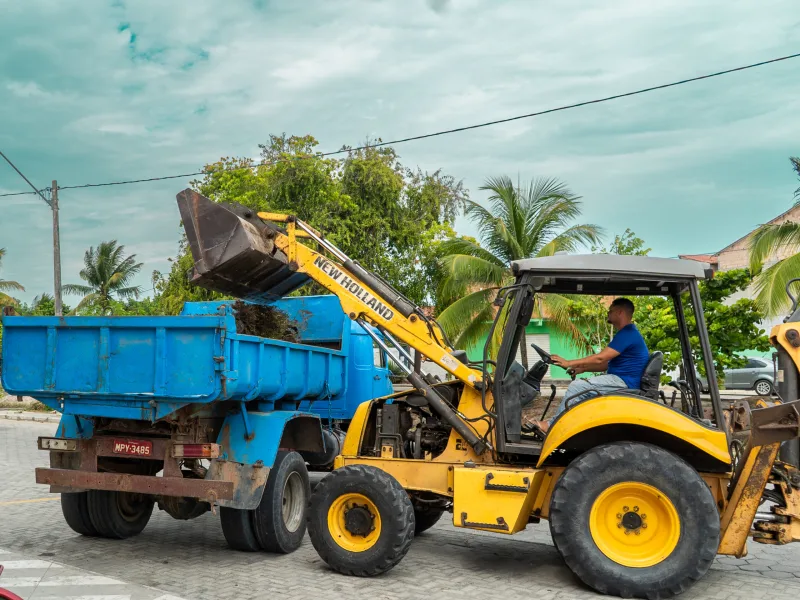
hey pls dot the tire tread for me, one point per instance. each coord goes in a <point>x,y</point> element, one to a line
<point>579,476</point>
<point>401,521</point>
<point>75,509</point>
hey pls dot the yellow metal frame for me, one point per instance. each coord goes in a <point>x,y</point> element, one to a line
<point>461,474</point>
<point>445,475</point>
<point>737,519</point>
<point>617,410</point>
<point>358,300</point>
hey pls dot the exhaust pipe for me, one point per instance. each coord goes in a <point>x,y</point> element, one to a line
<point>234,252</point>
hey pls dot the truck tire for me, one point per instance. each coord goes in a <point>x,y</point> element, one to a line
<point>632,519</point>
<point>75,507</point>
<point>361,521</point>
<point>280,519</point>
<point>237,527</point>
<point>119,515</point>
<point>425,518</point>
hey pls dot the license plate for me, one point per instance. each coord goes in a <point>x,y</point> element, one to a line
<point>132,448</point>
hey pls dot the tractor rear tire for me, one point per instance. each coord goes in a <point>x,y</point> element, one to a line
<point>280,520</point>
<point>599,521</point>
<point>361,521</point>
<point>119,515</point>
<point>238,529</point>
<point>75,507</point>
<point>425,518</point>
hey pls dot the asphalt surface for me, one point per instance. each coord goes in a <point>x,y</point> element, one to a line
<point>173,560</point>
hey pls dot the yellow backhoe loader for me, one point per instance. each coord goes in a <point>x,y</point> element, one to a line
<point>640,495</point>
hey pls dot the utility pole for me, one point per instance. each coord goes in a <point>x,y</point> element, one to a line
<point>56,250</point>
<point>53,204</point>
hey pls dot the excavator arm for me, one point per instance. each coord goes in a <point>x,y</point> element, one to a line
<point>245,254</point>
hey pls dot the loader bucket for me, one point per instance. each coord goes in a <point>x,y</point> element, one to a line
<point>233,251</point>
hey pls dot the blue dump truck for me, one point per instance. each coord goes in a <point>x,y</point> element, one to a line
<point>189,414</point>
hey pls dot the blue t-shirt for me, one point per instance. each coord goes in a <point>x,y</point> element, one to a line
<point>633,356</point>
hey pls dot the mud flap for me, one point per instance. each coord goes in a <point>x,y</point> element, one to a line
<point>248,453</point>
<point>248,482</point>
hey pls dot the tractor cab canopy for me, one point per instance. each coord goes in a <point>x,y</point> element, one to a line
<point>611,274</point>
<point>608,276</point>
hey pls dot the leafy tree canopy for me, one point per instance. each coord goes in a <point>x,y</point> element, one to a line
<point>107,272</point>
<point>8,286</point>
<point>732,326</point>
<point>767,242</point>
<point>536,219</point>
<point>388,217</point>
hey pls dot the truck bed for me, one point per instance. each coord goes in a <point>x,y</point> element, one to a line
<point>148,367</point>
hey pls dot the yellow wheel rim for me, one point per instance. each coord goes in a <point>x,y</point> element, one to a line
<point>354,522</point>
<point>634,524</point>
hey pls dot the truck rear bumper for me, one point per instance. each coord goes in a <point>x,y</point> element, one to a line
<point>210,491</point>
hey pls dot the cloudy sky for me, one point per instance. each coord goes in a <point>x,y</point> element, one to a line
<point>100,91</point>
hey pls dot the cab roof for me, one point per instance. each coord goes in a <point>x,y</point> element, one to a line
<point>611,274</point>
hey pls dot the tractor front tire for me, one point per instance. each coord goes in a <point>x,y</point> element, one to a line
<point>75,507</point>
<point>634,520</point>
<point>361,521</point>
<point>280,520</point>
<point>119,515</point>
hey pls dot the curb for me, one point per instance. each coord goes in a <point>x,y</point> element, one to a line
<point>30,417</point>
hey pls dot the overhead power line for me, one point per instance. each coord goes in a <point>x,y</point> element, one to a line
<point>28,181</point>
<point>447,131</point>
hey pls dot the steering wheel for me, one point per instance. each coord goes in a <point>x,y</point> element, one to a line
<point>547,358</point>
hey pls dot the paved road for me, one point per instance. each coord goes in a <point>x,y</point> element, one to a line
<point>190,559</point>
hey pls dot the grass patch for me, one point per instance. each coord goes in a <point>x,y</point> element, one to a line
<point>26,406</point>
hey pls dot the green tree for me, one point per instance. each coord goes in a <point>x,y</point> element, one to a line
<point>770,282</point>
<point>388,217</point>
<point>7,286</point>
<point>733,327</point>
<point>536,220</point>
<point>176,287</point>
<point>43,305</point>
<point>795,162</point>
<point>107,273</point>
<point>626,243</point>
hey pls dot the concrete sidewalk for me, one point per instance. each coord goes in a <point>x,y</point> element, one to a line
<point>10,414</point>
<point>14,409</point>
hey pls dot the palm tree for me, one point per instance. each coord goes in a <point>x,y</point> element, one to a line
<point>7,286</point>
<point>106,272</point>
<point>519,223</point>
<point>770,283</point>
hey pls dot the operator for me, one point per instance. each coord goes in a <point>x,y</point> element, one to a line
<point>624,360</point>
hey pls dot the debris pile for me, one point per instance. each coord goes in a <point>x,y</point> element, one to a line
<point>265,321</point>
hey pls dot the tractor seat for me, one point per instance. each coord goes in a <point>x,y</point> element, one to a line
<point>651,377</point>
